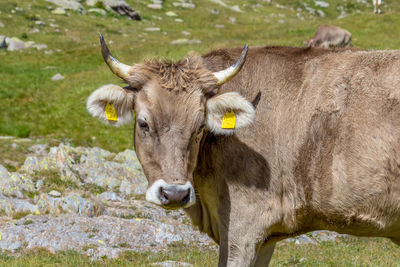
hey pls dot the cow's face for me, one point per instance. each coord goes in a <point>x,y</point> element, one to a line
<point>175,106</point>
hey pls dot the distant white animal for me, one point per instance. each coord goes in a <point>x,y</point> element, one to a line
<point>377,6</point>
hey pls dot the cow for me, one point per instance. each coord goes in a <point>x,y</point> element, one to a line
<point>330,36</point>
<point>377,6</point>
<point>280,142</point>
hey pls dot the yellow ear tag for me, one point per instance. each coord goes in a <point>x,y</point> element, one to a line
<point>111,113</point>
<point>228,120</point>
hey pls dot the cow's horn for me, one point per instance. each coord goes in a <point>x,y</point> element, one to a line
<point>225,75</point>
<point>118,68</point>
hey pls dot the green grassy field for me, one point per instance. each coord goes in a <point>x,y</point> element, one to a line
<point>347,252</point>
<point>31,105</point>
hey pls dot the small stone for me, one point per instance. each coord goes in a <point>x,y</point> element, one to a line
<point>219,26</point>
<point>109,196</point>
<point>281,21</point>
<point>40,46</point>
<point>39,23</point>
<point>15,44</point>
<point>49,52</point>
<point>321,4</point>
<point>54,193</point>
<point>236,8</point>
<point>179,20</point>
<point>184,5</point>
<point>53,25</point>
<point>232,20</point>
<point>91,2</point>
<point>98,11</point>
<point>57,77</point>
<point>59,11</point>
<point>185,41</point>
<point>34,30</point>
<point>39,184</point>
<point>171,14</point>
<point>14,145</point>
<point>152,29</point>
<point>154,6</point>
<point>1,25</point>
<point>172,264</point>
<point>186,33</point>
<point>215,11</point>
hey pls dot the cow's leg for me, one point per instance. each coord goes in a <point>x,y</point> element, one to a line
<point>239,246</point>
<point>264,254</point>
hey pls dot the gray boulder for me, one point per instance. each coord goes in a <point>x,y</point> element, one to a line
<point>68,4</point>
<point>122,8</point>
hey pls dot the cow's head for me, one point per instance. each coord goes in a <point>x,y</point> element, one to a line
<point>175,104</point>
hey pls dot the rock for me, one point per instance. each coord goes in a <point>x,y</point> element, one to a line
<point>91,2</point>
<point>59,11</point>
<point>122,8</point>
<point>152,29</point>
<point>34,30</point>
<point>39,184</point>
<point>219,26</point>
<point>14,145</point>
<point>57,77</point>
<point>179,20</point>
<point>1,24</point>
<point>40,46</point>
<point>185,33</point>
<point>12,206</point>
<point>40,23</point>
<point>185,41</point>
<point>126,188</point>
<point>183,5</point>
<point>98,11</point>
<point>67,4</point>
<point>171,14</point>
<point>14,44</point>
<point>172,264</point>
<point>54,193</point>
<point>3,44</point>
<point>236,8</point>
<point>321,4</point>
<point>84,207</point>
<point>40,149</point>
<point>109,196</point>
<point>154,6</point>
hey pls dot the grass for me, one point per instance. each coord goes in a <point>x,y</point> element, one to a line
<point>53,181</point>
<point>347,252</point>
<point>32,105</point>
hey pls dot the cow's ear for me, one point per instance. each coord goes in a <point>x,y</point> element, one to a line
<point>111,104</point>
<point>229,112</point>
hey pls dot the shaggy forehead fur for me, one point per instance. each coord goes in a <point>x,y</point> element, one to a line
<point>184,75</point>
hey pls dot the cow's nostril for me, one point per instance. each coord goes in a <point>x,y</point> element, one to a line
<point>172,196</point>
<point>186,199</point>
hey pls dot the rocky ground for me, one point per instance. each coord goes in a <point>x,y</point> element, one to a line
<point>91,200</point>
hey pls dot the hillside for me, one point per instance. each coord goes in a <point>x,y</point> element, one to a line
<point>43,92</point>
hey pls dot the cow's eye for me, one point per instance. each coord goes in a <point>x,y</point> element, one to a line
<point>143,125</point>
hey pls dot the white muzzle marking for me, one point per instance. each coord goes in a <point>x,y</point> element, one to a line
<point>153,192</point>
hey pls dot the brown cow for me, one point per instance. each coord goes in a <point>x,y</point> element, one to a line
<point>315,144</point>
<point>330,36</point>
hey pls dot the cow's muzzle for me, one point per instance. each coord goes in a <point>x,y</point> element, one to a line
<point>171,196</point>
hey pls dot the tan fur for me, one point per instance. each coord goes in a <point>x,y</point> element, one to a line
<point>323,151</point>
<point>330,36</point>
